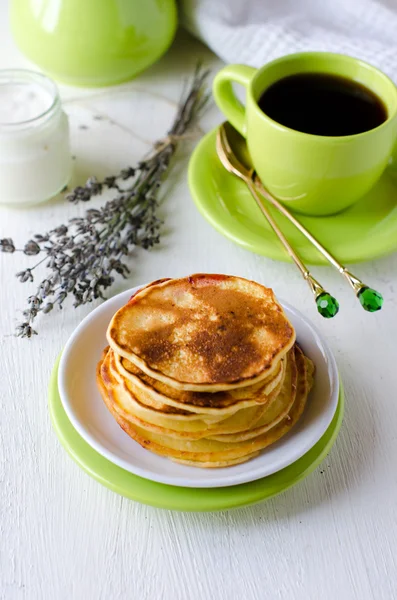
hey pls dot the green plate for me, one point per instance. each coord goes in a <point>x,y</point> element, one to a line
<point>180,498</point>
<point>364,232</point>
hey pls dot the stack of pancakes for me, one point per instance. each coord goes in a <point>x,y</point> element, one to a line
<point>204,370</point>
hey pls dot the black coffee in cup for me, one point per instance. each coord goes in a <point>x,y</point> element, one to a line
<point>323,104</point>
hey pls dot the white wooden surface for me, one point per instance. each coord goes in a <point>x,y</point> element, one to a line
<point>63,536</point>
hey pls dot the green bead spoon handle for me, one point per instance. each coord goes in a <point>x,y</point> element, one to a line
<point>327,306</point>
<point>370,299</point>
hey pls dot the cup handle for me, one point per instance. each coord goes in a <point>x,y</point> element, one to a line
<point>225,98</point>
<point>392,164</point>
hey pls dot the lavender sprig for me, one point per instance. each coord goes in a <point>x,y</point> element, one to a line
<point>84,256</point>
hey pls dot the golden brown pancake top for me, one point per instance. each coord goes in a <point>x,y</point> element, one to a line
<point>203,329</point>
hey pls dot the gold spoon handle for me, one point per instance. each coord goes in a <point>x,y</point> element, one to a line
<point>315,287</point>
<point>355,283</point>
<point>370,299</point>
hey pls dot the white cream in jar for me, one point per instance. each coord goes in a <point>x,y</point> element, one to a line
<point>35,161</point>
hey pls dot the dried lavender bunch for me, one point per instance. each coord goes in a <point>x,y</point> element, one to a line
<point>84,256</point>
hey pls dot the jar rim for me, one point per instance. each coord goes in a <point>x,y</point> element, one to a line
<point>29,76</point>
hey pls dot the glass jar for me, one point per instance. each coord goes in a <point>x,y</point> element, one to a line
<point>35,160</point>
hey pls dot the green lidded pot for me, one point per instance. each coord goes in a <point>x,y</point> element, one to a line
<point>93,42</point>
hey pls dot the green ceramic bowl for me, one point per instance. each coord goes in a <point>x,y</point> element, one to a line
<point>93,42</point>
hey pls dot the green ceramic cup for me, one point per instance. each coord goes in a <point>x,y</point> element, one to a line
<point>315,175</point>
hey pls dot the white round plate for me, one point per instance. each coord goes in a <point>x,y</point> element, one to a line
<point>90,417</point>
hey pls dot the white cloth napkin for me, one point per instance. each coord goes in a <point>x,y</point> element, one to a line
<point>256,31</point>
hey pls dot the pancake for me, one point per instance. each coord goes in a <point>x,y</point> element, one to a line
<point>203,333</point>
<point>159,395</point>
<point>174,425</point>
<point>215,465</point>
<point>112,378</point>
<point>205,450</point>
<point>273,414</point>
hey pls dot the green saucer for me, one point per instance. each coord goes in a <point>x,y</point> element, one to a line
<point>182,498</point>
<point>366,231</point>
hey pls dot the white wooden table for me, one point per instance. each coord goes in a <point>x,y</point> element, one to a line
<point>64,537</point>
